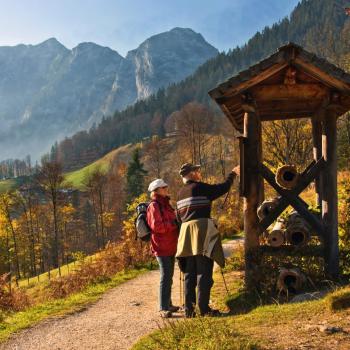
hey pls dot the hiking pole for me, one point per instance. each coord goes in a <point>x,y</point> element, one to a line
<point>225,200</point>
<point>223,277</point>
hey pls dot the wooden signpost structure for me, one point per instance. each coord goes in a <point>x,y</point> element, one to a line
<point>292,83</point>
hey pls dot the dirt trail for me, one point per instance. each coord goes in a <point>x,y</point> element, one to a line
<point>116,321</point>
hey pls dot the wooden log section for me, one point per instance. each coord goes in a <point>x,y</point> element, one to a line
<point>317,153</point>
<point>287,176</point>
<point>252,197</point>
<point>242,156</point>
<point>298,232</point>
<point>330,195</point>
<point>290,280</point>
<point>266,207</point>
<point>276,237</point>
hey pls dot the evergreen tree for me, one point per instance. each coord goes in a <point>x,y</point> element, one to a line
<point>135,176</point>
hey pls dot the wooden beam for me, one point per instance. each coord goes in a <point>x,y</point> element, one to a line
<point>252,197</point>
<point>269,115</point>
<point>310,250</point>
<point>293,200</point>
<point>321,75</point>
<point>281,92</point>
<point>330,194</point>
<point>291,105</point>
<point>242,162</point>
<point>306,177</point>
<point>263,75</point>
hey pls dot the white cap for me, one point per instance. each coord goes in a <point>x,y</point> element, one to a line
<point>156,184</point>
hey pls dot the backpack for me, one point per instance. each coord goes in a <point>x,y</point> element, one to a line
<point>143,231</point>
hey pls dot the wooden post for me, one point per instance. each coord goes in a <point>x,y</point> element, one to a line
<point>317,153</point>
<point>330,195</point>
<point>252,196</point>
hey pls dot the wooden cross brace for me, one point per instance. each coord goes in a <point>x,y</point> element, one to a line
<point>291,197</point>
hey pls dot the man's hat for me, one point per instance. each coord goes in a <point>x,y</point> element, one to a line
<point>187,168</point>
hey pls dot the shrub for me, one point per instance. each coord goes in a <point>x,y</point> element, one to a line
<point>11,299</point>
<point>114,258</point>
<point>339,300</point>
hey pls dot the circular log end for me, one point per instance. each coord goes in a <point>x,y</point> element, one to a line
<point>266,207</point>
<point>290,280</point>
<point>287,176</point>
<point>276,238</point>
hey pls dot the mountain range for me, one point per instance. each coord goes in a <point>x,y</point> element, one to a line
<point>48,92</point>
<point>320,26</point>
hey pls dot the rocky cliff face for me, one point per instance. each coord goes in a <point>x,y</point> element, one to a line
<point>48,92</point>
<point>159,61</point>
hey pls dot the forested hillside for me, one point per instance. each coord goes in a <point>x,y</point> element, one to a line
<point>321,26</point>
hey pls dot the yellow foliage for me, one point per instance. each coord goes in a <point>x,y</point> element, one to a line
<point>138,251</point>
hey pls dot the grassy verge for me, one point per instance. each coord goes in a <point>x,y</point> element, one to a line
<point>249,325</point>
<point>268,327</point>
<point>14,322</point>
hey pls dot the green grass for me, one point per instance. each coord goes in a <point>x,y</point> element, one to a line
<point>44,277</point>
<point>10,184</point>
<point>14,322</point>
<point>229,333</point>
<point>75,179</point>
<point>339,300</point>
<point>248,325</point>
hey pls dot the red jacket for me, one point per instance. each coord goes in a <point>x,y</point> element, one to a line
<point>162,222</point>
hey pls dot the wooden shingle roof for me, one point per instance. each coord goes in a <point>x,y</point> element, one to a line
<point>291,83</point>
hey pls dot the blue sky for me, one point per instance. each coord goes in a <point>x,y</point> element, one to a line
<point>124,24</point>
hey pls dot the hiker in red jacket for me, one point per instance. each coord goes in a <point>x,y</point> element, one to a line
<point>161,219</point>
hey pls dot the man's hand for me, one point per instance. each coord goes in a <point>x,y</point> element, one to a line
<point>236,170</point>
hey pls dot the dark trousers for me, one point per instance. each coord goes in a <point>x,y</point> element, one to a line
<point>166,266</point>
<point>198,273</point>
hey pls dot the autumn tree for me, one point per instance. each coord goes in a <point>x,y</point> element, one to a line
<point>95,182</point>
<point>343,147</point>
<point>287,142</point>
<point>192,125</point>
<point>155,157</point>
<point>7,206</point>
<point>50,179</point>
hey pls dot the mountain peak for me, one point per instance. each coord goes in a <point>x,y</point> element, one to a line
<point>51,43</point>
<point>181,29</point>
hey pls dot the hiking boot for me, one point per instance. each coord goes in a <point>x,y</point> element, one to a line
<point>165,314</point>
<point>212,313</point>
<point>190,313</point>
<point>173,308</point>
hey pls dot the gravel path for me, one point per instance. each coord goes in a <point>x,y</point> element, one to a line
<point>116,321</point>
